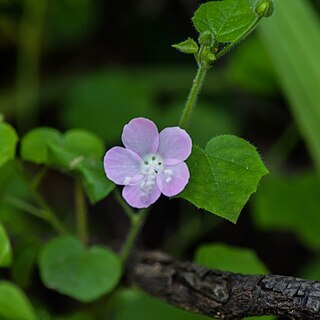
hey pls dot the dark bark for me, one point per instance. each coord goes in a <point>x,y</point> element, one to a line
<point>223,295</point>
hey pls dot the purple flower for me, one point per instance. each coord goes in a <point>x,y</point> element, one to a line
<point>150,164</point>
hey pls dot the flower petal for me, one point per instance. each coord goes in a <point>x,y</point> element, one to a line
<point>175,145</point>
<point>122,165</point>
<point>173,179</point>
<point>141,136</point>
<point>136,198</point>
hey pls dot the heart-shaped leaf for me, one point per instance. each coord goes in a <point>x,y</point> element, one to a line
<point>8,142</point>
<point>223,176</point>
<point>84,274</point>
<point>5,248</point>
<point>77,152</point>
<point>34,145</point>
<point>14,304</point>
<point>227,20</point>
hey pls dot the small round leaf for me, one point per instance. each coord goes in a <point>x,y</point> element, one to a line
<point>8,142</point>
<point>83,274</point>
<point>14,304</point>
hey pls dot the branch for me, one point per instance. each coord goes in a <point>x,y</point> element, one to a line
<point>223,295</point>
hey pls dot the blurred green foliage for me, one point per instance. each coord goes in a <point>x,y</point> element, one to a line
<point>61,81</point>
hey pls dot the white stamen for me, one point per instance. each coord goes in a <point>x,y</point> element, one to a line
<point>127,180</point>
<point>168,179</point>
<point>168,172</point>
<point>151,166</point>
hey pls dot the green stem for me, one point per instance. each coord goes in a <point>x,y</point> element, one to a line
<point>126,208</point>
<point>24,206</point>
<point>81,212</point>
<point>239,39</point>
<point>47,213</point>
<point>39,176</point>
<point>137,222</point>
<point>193,95</point>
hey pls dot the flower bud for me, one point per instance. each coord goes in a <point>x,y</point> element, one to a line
<point>264,8</point>
<point>206,39</point>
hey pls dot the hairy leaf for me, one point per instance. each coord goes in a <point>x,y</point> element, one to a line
<point>223,176</point>
<point>227,20</point>
<point>187,46</point>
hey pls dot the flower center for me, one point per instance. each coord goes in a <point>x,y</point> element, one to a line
<point>151,166</point>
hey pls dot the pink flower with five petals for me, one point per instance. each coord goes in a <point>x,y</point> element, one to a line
<point>151,162</point>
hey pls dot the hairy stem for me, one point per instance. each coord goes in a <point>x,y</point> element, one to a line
<point>193,95</point>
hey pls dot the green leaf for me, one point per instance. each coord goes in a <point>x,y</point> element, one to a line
<point>24,263</point>
<point>232,259</point>
<point>14,305</point>
<point>5,248</point>
<point>77,151</point>
<point>291,204</point>
<point>35,144</point>
<point>223,176</point>
<point>8,142</point>
<point>84,274</point>
<point>81,152</point>
<point>94,180</point>
<point>227,20</point>
<point>294,49</point>
<point>84,143</point>
<point>187,46</point>
<point>130,304</point>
